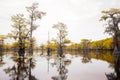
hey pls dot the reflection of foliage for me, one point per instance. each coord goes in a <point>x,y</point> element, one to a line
<point>18,71</point>
<point>67,62</point>
<point>86,57</point>
<point>1,59</point>
<point>101,55</point>
<point>111,76</point>
<point>21,70</point>
<point>31,66</point>
<point>1,63</point>
<point>61,68</point>
<point>111,65</point>
<point>116,74</point>
<point>106,56</point>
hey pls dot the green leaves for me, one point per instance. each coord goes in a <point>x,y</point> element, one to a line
<point>34,13</point>
<point>18,21</point>
<point>111,18</point>
<point>20,30</point>
<point>62,32</point>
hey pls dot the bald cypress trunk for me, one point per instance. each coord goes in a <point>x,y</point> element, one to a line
<point>116,38</point>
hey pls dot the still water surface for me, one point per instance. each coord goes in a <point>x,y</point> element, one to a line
<point>74,66</point>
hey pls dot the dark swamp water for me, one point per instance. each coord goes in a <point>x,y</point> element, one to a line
<point>73,66</point>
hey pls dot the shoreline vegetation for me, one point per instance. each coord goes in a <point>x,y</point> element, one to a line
<point>99,45</point>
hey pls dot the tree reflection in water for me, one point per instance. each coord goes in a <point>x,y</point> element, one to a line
<point>86,57</point>
<point>1,56</point>
<point>116,74</point>
<point>1,59</point>
<point>61,68</point>
<point>22,70</point>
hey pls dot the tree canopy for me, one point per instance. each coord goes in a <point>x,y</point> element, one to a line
<point>62,32</point>
<point>112,19</point>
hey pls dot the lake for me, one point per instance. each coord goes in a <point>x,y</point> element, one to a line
<point>73,66</point>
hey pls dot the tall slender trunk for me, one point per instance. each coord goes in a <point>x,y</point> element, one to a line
<point>115,38</point>
<point>60,45</point>
<point>21,50</point>
<point>31,42</point>
<point>30,63</point>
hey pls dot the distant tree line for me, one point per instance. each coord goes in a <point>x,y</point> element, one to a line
<point>104,44</point>
<point>87,44</point>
